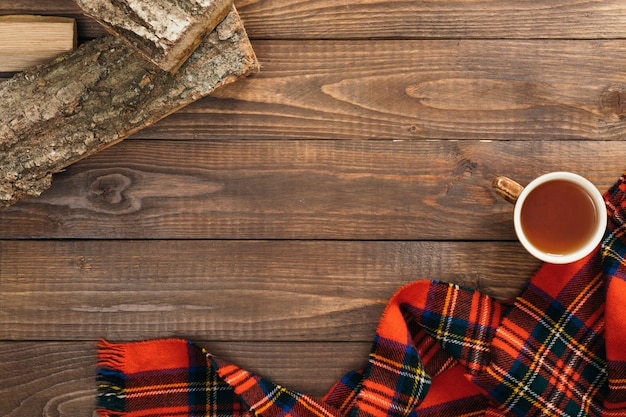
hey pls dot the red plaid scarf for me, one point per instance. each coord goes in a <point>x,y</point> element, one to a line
<point>439,350</point>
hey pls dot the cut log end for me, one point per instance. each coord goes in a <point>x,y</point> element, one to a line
<point>32,40</point>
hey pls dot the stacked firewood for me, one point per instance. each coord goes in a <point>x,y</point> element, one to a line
<point>160,57</point>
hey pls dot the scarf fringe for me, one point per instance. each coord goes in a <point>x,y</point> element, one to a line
<point>110,355</point>
<point>111,381</point>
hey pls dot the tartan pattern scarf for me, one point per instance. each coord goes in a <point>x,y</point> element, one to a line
<point>439,350</point>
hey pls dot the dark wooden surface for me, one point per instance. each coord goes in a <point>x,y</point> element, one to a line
<point>272,221</point>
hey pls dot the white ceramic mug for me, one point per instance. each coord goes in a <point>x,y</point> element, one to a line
<point>518,195</point>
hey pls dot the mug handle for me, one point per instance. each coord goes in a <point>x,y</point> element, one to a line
<point>507,188</point>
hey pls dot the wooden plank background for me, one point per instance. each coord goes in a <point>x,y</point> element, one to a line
<point>272,221</point>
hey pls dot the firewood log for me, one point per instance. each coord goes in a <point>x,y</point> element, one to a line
<point>101,93</point>
<point>31,40</point>
<point>165,32</point>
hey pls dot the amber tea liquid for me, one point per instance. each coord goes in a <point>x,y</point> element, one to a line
<point>558,217</point>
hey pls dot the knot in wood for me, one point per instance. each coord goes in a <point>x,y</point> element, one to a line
<point>110,189</point>
<point>614,101</point>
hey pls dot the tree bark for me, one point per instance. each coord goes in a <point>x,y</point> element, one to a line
<point>164,32</point>
<point>96,96</point>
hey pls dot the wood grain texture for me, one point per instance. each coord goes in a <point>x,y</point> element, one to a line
<point>346,19</point>
<point>87,27</point>
<point>231,290</point>
<point>57,378</point>
<point>398,19</point>
<point>29,40</point>
<point>300,189</point>
<point>47,379</point>
<point>416,90</point>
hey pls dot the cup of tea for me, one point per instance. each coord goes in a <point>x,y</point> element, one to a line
<point>559,217</point>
